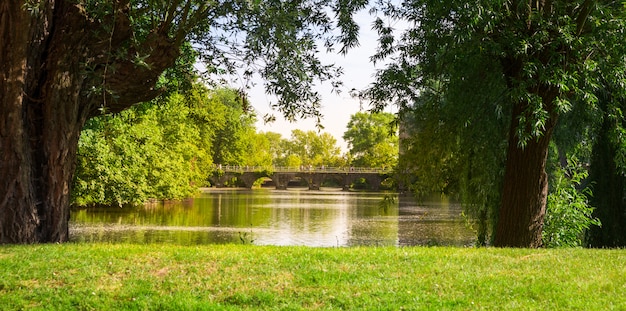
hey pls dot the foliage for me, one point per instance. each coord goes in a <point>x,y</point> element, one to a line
<point>291,160</point>
<point>468,49</point>
<point>278,40</point>
<point>161,150</point>
<point>372,139</point>
<point>235,277</point>
<point>464,70</point>
<point>568,214</point>
<point>281,38</point>
<point>265,150</point>
<point>446,150</point>
<point>146,152</point>
<point>310,148</point>
<point>607,169</point>
<point>259,151</point>
<point>233,137</point>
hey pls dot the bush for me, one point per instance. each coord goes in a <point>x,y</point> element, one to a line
<point>568,213</point>
<point>150,151</point>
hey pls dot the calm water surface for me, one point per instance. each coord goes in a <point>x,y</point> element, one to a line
<point>279,217</point>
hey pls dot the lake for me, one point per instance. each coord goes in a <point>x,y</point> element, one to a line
<point>324,218</point>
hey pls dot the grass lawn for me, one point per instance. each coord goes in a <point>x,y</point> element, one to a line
<point>235,277</point>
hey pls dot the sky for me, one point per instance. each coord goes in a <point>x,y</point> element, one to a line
<point>336,108</point>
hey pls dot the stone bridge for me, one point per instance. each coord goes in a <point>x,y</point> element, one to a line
<point>312,176</point>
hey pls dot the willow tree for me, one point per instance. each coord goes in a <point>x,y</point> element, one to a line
<point>536,57</point>
<point>65,61</point>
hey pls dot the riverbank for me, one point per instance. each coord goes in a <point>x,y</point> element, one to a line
<point>234,277</point>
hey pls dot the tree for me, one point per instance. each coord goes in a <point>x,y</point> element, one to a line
<point>274,142</point>
<point>231,143</point>
<point>65,61</point>
<point>527,59</point>
<point>311,148</point>
<point>372,139</point>
<point>259,151</point>
<point>149,151</point>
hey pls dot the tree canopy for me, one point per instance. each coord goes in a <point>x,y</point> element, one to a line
<point>310,148</point>
<point>372,139</point>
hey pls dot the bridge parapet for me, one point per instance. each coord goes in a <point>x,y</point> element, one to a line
<point>314,176</point>
<point>302,169</point>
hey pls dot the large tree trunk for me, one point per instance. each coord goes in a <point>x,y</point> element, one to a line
<point>18,215</point>
<point>42,120</point>
<point>46,95</point>
<point>525,189</point>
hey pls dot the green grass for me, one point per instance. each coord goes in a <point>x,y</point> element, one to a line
<point>235,277</point>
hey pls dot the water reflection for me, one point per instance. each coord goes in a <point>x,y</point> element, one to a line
<point>436,221</point>
<point>273,217</point>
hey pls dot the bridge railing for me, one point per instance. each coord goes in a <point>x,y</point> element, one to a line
<point>300,169</point>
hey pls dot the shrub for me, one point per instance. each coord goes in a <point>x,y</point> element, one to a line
<point>568,213</point>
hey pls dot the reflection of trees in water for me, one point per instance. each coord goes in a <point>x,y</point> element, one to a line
<point>374,221</point>
<point>316,218</point>
<point>433,221</point>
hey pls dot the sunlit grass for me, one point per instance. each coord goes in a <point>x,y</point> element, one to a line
<point>234,277</point>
